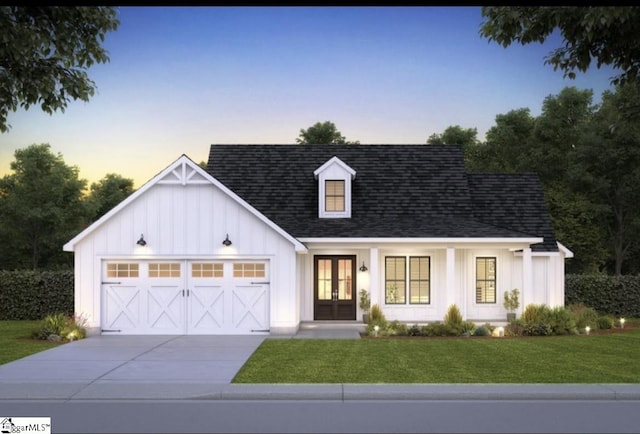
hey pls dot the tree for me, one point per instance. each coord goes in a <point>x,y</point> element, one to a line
<point>559,134</point>
<point>606,35</point>
<point>107,193</point>
<point>507,148</point>
<point>45,53</point>
<point>455,135</point>
<point>608,166</point>
<point>467,138</point>
<point>41,208</point>
<point>323,133</point>
<point>547,145</point>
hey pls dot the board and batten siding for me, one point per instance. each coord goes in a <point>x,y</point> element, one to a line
<point>186,222</point>
<point>547,282</point>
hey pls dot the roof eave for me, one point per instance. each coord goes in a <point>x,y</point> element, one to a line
<point>511,243</point>
<point>70,246</point>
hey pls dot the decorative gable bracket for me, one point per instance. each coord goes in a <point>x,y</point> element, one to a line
<point>334,188</point>
<point>184,174</point>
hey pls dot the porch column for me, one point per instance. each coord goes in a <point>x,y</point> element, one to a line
<point>527,276</point>
<point>374,277</point>
<point>451,281</point>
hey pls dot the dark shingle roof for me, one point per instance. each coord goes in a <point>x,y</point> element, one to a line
<point>515,201</point>
<point>399,191</point>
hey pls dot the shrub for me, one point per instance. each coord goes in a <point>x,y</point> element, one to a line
<point>467,327</point>
<point>534,313</point>
<point>537,329</point>
<point>396,328</point>
<point>514,328</point>
<point>453,317</point>
<point>562,321</point>
<point>414,330</point>
<point>605,322</point>
<point>612,295</point>
<point>482,331</point>
<point>584,315</point>
<point>50,325</point>
<point>439,329</point>
<point>376,313</point>
<point>511,300</point>
<point>32,295</point>
<point>365,300</point>
<point>382,324</point>
<point>62,325</point>
<point>377,318</point>
<point>489,327</point>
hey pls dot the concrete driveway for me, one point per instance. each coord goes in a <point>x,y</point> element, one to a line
<point>101,367</point>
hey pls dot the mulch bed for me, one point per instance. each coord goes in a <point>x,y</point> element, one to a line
<point>627,327</point>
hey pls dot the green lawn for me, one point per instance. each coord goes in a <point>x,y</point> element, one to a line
<point>607,358</point>
<point>16,342</point>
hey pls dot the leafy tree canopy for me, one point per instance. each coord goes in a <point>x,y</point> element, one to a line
<point>455,135</point>
<point>41,208</point>
<point>45,52</point>
<point>606,35</point>
<point>107,193</point>
<point>323,133</point>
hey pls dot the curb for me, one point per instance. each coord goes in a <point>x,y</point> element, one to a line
<point>424,392</point>
<point>123,391</point>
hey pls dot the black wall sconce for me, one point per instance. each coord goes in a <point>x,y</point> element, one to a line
<point>363,268</point>
<point>227,241</point>
<point>141,241</point>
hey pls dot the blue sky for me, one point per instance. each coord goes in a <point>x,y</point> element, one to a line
<point>181,79</point>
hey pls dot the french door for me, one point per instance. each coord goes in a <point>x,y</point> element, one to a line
<point>334,287</point>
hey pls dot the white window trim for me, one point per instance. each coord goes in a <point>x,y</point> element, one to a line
<point>475,274</point>
<point>407,278</point>
<point>334,170</point>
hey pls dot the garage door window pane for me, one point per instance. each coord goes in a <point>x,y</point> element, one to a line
<point>164,269</point>
<point>207,270</point>
<point>122,270</point>
<point>248,269</point>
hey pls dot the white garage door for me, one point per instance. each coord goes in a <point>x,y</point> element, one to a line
<point>185,297</point>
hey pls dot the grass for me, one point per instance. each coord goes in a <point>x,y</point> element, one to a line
<point>606,358</point>
<point>16,342</point>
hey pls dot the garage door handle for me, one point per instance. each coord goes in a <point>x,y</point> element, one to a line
<point>111,283</point>
<point>260,283</point>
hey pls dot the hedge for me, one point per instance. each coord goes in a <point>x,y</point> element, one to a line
<point>613,295</point>
<point>32,295</point>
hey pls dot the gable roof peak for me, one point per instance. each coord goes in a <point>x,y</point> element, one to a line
<point>335,161</point>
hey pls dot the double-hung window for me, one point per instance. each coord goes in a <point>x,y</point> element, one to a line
<point>334,195</point>
<point>407,272</point>
<point>485,280</point>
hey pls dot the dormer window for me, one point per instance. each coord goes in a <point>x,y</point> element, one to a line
<point>334,195</point>
<point>334,189</point>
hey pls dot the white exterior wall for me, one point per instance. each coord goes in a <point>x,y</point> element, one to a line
<point>305,277</point>
<point>547,280</point>
<point>187,222</point>
<point>439,296</point>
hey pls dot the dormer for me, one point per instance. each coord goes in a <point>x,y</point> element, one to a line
<point>334,189</point>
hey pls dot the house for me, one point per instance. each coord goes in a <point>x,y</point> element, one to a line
<point>270,236</point>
